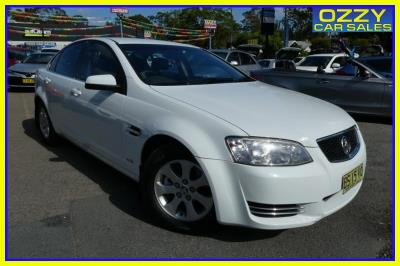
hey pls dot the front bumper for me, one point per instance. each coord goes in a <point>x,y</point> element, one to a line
<point>16,80</point>
<point>316,187</point>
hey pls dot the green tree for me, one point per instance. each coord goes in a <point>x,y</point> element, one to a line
<point>193,18</point>
<point>140,18</point>
<point>252,20</point>
<point>320,42</point>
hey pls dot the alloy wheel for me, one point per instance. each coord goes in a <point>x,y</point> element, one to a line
<point>182,190</point>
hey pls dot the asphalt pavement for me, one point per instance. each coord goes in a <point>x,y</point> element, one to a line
<point>65,203</point>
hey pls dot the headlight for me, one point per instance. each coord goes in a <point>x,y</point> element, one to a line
<point>267,152</point>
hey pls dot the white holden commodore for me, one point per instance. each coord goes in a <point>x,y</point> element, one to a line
<point>204,140</point>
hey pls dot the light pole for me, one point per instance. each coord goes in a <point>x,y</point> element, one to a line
<point>120,16</point>
<point>232,27</point>
<point>286,30</point>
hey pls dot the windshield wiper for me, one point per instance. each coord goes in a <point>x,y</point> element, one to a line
<point>212,80</point>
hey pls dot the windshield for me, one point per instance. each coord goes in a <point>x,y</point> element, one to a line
<point>264,63</point>
<point>379,65</point>
<point>164,65</point>
<point>38,58</point>
<point>316,61</point>
<point>220,54</point>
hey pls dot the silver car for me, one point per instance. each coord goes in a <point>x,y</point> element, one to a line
<point>242,60</point>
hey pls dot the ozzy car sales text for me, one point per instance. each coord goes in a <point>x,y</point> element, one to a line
<point>352,20</point>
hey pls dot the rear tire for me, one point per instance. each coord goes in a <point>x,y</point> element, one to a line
<point>176,191</point>
<point>45,126</point>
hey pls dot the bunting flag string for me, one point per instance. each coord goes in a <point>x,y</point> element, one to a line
<point>72,35</point>
<point>158,27</point>
<point>190,40</point>
<point>64,29</point>
<point>170,34</point>
<point>34,15</point>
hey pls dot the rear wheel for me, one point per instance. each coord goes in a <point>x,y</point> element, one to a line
<point>177,190</point>
<point>45,126</point>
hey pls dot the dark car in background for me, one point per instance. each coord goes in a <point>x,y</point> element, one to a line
<point>365,91</point>
<point>23,75</point>
<point>380,64</point>
<point>17,55</point>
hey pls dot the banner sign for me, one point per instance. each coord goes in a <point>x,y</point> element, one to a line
<point>268,15</point>
<point>119,10</point>
<point>147,34</point>
<point>352,19</point>
<point>210,24</point>
<point>37,33</point>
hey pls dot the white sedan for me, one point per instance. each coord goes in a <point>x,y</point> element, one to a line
<point>204,140</point>
<point>328,63</point>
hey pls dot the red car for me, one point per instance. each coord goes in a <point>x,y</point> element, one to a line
<point>17,55</point>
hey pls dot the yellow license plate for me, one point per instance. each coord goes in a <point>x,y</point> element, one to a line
<point>352,178</point>
<point>28,81</point>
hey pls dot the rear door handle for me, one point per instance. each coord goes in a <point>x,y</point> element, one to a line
<point>324,81</point>
<point>76,92</point>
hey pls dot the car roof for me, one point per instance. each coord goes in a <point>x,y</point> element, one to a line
<point>143,41</point>
<point>374,57</point>
<point>331,54</point>
<point>230,51</point>
<point>43,53</point>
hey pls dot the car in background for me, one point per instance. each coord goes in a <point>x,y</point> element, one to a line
<point>364,91</point>
<point>380,64</point>
<point>254,49</point>
<point>23,75</point>
<point>50,50</point>
<point>327,63</point>
<point>242,60</point>
<point>298,59</point>
<point>17,55</point>
<point>267,63</point>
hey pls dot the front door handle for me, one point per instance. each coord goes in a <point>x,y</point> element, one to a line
<point>47,81</point>
<point>324,81</point>
<point>76,92</point>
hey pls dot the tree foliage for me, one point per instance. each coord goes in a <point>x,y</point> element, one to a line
<point>193,18</point>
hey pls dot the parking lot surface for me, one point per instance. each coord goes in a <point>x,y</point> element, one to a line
<point>64,203</point>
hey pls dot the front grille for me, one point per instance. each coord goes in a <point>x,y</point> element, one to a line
<point>274,210</point>
<point>334,148</point>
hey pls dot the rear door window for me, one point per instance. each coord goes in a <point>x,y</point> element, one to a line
<point>234,57</point>
<point>246,59</point>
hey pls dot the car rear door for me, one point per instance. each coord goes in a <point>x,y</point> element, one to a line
<point>58,81</point>
<point>353,93</point>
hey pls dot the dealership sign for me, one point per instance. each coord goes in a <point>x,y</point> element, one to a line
<point>37,33</point>
<point>352,20</point>
<point>210,24</point>
<point>147,34</point>
<point>119,10</point>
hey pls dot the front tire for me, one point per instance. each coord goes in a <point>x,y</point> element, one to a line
<point>45,126</point>
<point>176,190</point>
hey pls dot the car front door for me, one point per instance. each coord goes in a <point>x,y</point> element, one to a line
<point>100,110</point>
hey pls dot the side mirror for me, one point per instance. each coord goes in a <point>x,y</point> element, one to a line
<point>366,74</point>
<point>234,63</point>
<point>101,82</point>
<point>336,65</point>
